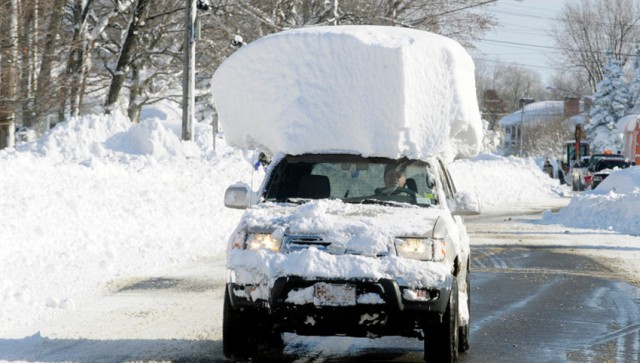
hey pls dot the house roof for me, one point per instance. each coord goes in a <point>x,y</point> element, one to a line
<point>540,112</point>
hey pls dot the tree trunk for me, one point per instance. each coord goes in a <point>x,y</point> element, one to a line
<point>27,47</point>
<point>126,55</point>
<point>76,61</point>
<point>8,72</point>
<point>44,91</point>
<point>134,93</point>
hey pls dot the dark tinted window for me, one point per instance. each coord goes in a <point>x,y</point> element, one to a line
<point>610,164</point>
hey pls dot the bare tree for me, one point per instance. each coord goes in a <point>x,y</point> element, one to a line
<point>127,52</point>
<point>569,84</point>
<point>547,136</point>
<point>8,71</point>
<point>462,20</point>
<point>75,69</point>
<point>590,28</point>
<point>44,91</point>
<point>514,82</point>
<point>27,38</point>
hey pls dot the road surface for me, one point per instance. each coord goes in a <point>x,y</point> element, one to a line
<point>536,297</point>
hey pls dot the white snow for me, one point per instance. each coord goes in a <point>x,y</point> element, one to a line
<point>99,199</point>
<point>500,181</point>
<point>383,91</point>
<point>612,206</point>
<point>534,112</point>
<point>82,207</point>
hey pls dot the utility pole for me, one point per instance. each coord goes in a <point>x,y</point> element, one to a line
<point>189,70</point>
<point>523,102</point>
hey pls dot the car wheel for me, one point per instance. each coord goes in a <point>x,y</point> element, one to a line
<point>237,339</point>
<point>441,337</point>
<point>463,331</point>
<point>246,335</point>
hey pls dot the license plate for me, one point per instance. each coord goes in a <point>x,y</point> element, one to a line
<point>334,294</point>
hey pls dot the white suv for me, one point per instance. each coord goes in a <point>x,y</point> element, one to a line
<point>326,248</point>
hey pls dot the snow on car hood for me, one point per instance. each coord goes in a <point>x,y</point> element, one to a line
<point>351,228</point>
<point>358,234</point>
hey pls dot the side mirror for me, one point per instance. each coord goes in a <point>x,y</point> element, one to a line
<point>237,196</point>
<point>464,204</point>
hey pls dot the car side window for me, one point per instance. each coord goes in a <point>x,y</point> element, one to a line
<point>449,189</point>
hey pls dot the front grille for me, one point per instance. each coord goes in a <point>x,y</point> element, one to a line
<point>293,243</point>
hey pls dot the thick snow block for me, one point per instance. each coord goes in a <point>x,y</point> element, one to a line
<point>373,90</point>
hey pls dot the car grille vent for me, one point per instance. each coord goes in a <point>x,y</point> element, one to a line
<point>300,242</point>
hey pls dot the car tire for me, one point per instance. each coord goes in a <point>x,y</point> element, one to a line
<point>237,340</point>
<point>247,335</point>
<point>463,331</point>
<point>441,337</point>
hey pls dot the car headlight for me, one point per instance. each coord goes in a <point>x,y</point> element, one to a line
<point>426,249</point>
<point>262,241</point>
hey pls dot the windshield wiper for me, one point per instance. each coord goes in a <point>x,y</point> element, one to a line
<point>376,201</point>
<point>290,200</point>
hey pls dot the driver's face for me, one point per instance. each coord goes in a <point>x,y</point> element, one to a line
<point>395,179</point>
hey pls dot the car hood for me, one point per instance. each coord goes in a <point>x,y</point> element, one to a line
<point>367,230</point>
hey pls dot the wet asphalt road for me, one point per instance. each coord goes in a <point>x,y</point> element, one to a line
<point>528,305</point>
<point>537,305</point>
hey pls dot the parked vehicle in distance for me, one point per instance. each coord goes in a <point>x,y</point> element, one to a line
<point>571,171</point>
<point>604,167</point>
<point>578,174</point>
<point>593,160</point>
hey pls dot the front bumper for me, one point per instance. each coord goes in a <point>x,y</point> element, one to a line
<point>397,311</point>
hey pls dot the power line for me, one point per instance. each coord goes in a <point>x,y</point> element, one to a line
<point>556,19</point>
<point>525,15</point>
<point>549,47</point>
<point>512,63</point>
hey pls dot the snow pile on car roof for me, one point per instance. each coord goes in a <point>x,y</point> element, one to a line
<point>377,91</point>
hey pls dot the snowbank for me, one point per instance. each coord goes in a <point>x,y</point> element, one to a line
<point>613,205</point>
<point>507,181</point>
<point>378,91</point>
<point>98,199</point>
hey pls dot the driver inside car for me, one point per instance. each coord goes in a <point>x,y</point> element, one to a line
<point>394,178</point>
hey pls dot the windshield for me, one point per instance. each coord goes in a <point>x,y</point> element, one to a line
<point>595,158</point>
<point>352,179</point>
<point>610,164</point>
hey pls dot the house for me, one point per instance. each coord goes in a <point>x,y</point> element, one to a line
<point>572,109</point>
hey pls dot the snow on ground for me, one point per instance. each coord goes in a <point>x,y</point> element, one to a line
<point>99,199</point>
<point>507,181</point>
<point>612,206</point>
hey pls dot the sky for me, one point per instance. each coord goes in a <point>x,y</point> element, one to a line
<point>522,35</point>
